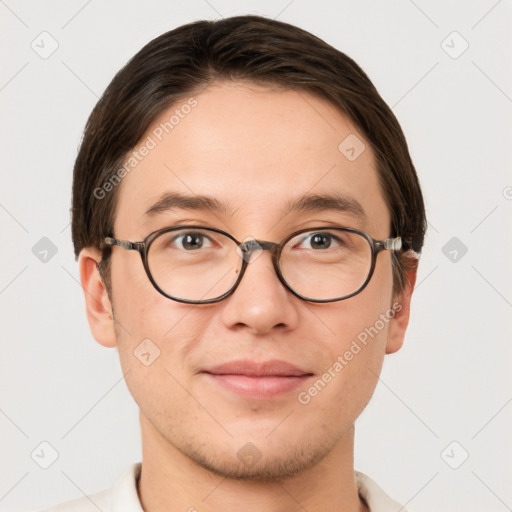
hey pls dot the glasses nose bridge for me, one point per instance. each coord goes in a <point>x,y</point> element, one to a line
<point>248,247</point>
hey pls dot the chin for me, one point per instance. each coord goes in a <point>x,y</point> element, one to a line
<point>258,461</point>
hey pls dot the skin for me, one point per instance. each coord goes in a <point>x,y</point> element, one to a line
<point>254,148</point>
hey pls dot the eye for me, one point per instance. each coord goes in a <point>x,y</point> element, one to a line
<point>320,240</point>
<point>191,240</point>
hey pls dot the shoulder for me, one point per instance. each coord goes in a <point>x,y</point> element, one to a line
<point>376,499</point>
<point>121,497</point>
<point>85,504</point>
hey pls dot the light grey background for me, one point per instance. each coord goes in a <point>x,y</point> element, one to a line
<point>450,382</point>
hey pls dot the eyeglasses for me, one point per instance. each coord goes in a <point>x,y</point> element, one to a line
<point>200,265</point>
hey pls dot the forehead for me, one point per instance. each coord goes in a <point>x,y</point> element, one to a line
<point>254,150</point>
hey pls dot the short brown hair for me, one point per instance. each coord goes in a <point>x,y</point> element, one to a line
<point>249,48</point>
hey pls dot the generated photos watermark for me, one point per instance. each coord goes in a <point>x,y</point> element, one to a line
<point>151,142</point>
<point>367,334</point>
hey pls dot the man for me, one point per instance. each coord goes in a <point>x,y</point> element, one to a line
<point>247,221</point>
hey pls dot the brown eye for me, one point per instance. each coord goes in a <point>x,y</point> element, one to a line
<point>319,240</point>
<point>189,241</point>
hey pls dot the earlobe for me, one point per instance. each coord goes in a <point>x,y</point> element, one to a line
<point>97,302</point>
<point>402,307</point>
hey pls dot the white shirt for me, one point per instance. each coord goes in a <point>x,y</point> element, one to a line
<point>123,496</point>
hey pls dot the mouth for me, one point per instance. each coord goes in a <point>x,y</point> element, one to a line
<point>258,380</point>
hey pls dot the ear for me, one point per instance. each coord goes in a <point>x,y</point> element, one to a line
<point>97,302</point>
<point>402,307</point>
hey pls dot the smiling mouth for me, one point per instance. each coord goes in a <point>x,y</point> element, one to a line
<point>255,380</point>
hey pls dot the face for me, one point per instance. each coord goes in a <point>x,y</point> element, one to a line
<point>255,151</point>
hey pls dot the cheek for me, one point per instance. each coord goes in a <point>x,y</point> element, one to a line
<point>350,373</point>
<point>381,283</point>
<point>140,310</point>
<point>354,352</point>
<point>156,354</point>
<point>150,326</point>
<point>360,318</point>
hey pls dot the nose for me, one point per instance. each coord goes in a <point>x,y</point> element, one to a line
<point>261,303</point>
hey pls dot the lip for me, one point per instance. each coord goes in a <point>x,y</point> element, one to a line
<point>258,380</point>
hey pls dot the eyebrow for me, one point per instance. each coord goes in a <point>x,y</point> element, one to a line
<point>175,201</point>
<point>327,202</point>
<point>306,203</point>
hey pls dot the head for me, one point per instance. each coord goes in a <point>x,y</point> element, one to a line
<point>252,115</point>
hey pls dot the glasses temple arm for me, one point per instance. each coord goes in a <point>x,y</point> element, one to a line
<point>124,244</point>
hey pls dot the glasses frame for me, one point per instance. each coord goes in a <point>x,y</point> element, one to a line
<point>247,248</point>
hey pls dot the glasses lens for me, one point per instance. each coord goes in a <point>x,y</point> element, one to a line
<point>194,264</point>
<point>326,264</point>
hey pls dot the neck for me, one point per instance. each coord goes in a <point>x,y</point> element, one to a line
<point>171,481</point>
